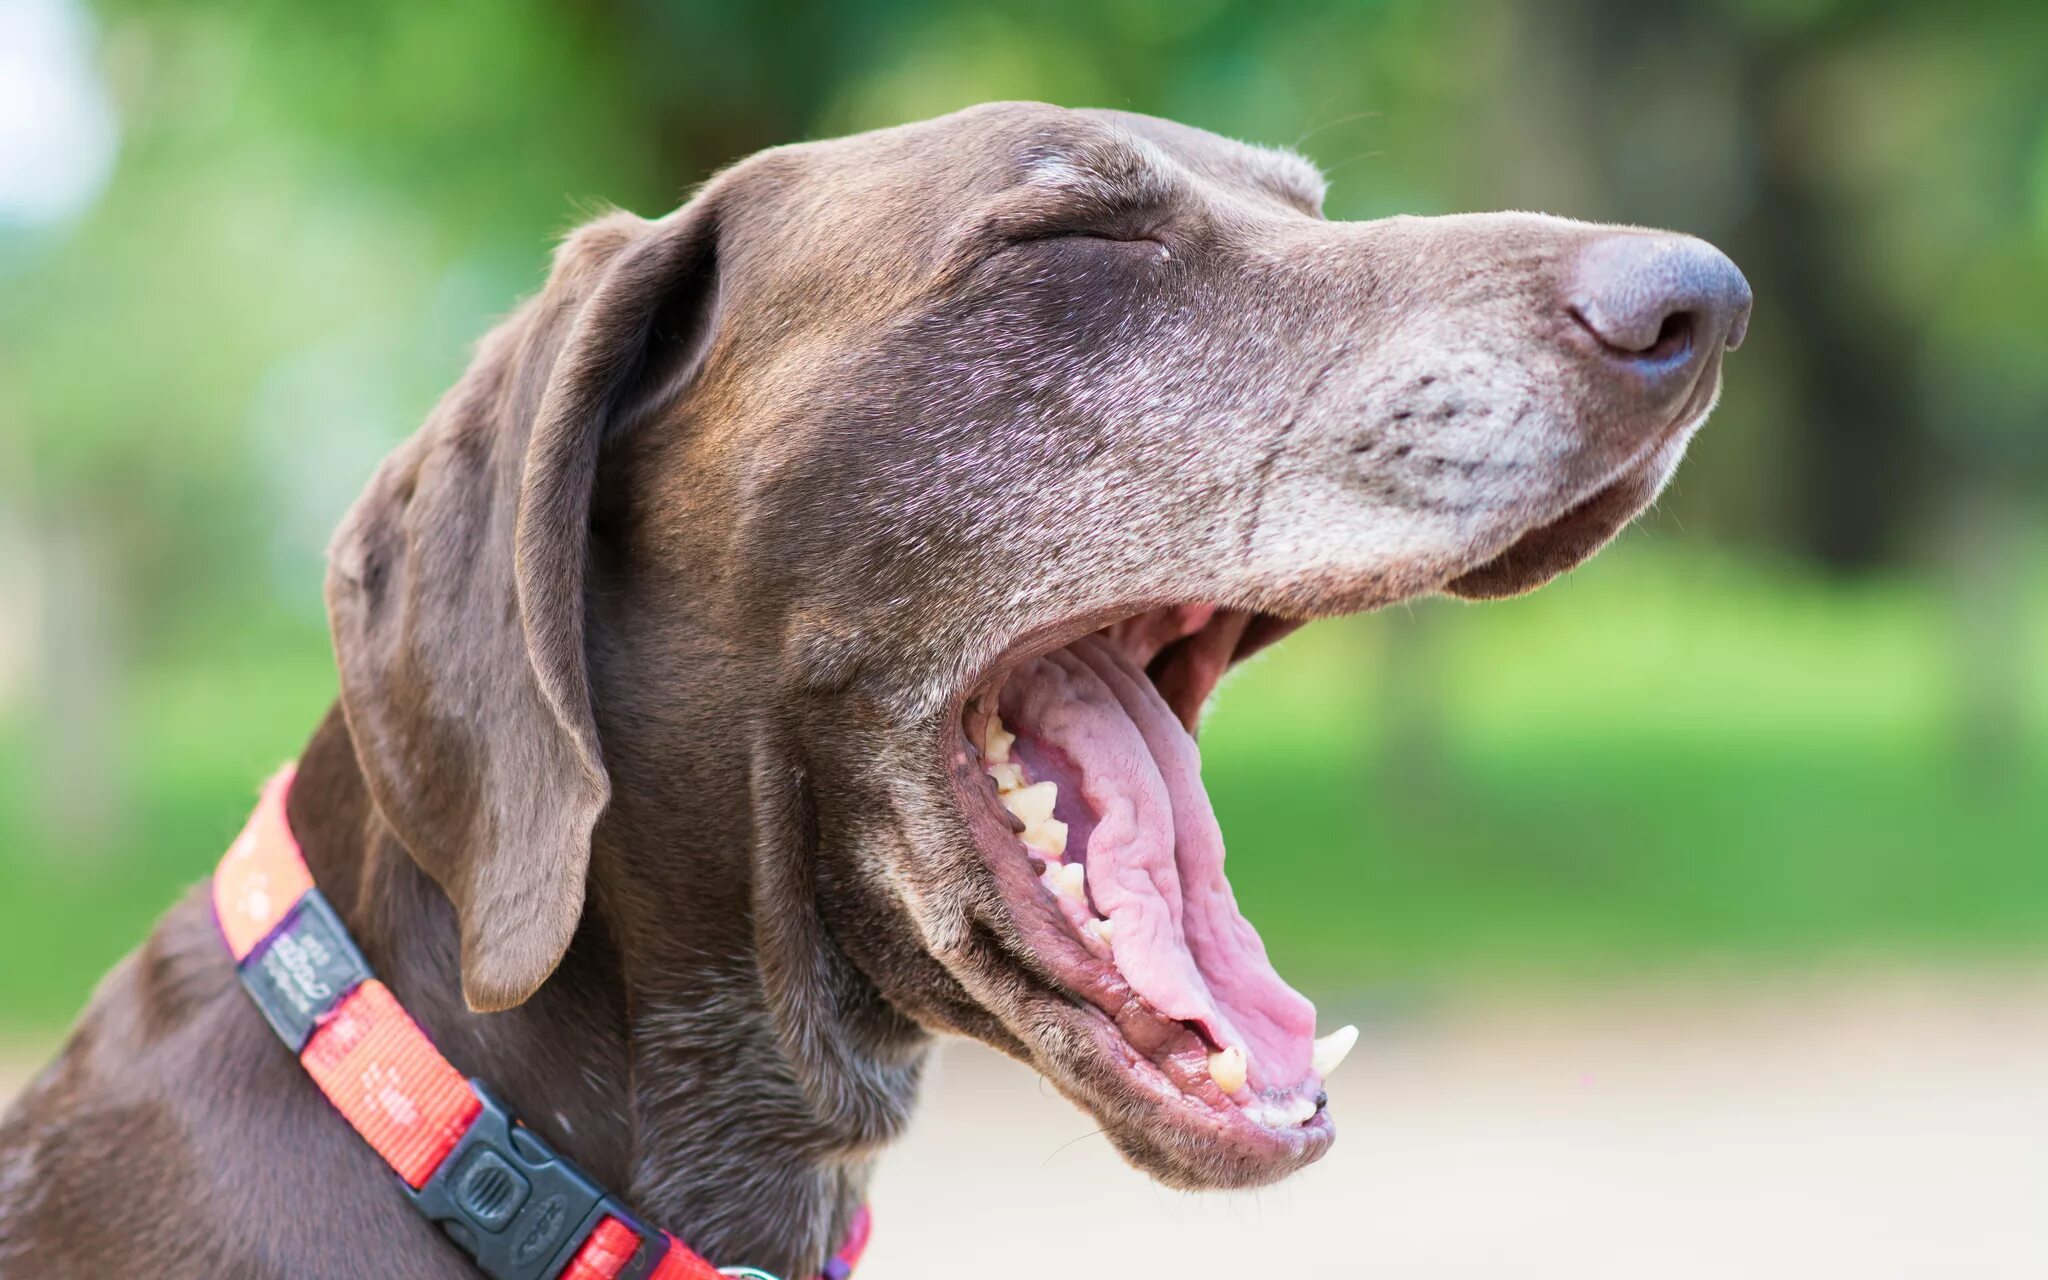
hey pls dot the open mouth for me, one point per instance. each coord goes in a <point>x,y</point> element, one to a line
<point>1079,770</point>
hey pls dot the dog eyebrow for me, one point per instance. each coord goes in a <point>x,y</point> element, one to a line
<point>1117,171</point>
<point>1110,172</point>
<point>1110,175</point>
<point>1066,184</point>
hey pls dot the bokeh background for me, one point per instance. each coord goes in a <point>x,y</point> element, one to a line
<point>1793,728</point>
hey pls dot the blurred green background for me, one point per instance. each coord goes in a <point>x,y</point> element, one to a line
<point>1797,718</point>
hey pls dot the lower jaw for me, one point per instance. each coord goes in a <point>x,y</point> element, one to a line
<point>1162,1112</point>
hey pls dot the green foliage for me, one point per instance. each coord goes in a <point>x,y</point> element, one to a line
<point>1707,746</point>
<point>1663,760</point>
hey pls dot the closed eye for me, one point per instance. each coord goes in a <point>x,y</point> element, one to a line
<point>1137,245</point>
<point>1096,235</point>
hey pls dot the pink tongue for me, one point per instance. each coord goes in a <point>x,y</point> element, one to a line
<point>1155,856</point>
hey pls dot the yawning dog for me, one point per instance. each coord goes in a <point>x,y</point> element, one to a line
<point>786,644</point>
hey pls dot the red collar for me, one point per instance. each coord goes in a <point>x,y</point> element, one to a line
<point>502,1195</point>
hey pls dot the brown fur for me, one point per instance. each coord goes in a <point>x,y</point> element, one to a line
<point>641,792</point>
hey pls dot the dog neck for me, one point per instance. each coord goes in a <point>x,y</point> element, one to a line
<point>650,1057</point>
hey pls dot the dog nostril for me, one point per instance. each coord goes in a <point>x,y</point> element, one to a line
<point>1657,301</point>
<point>1673,337</point>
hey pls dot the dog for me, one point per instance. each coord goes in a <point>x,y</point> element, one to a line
<point>784,645</point>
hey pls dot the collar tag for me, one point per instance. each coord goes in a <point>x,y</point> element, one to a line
<point>303,969</point>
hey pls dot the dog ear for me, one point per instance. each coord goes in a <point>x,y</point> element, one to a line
<point>455,589</point>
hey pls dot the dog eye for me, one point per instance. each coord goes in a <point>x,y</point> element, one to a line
<point>1084,249</point>
<point>1148,245</point>
<point>1109,236</point>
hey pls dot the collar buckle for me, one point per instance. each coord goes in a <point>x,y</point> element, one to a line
<point>516,1207</point>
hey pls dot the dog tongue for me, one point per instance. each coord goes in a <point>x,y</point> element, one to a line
<point>1155,854</point>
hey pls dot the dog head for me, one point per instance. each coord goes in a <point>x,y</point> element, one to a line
<point>846,558</point>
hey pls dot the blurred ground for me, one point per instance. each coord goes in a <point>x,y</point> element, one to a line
<point>1858,1127</point>
<point>1863,1128</point>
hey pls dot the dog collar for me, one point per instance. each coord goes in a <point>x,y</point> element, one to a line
<point>520,1210</point>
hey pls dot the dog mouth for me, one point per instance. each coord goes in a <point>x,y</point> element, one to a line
<point>1081,778</point>
<point>1077,770</point>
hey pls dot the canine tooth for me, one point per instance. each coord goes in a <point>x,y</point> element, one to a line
<point>1032,803</point>
<point>1069,880</point>
<point>1331,1050</point>
<point>1008,777</point>
<point>1049,836</point>
<point>996,740</point>
<point>1227,1069</point>
<point>1103,931</point>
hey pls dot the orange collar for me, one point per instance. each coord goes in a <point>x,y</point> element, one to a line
<point>519,1210</point>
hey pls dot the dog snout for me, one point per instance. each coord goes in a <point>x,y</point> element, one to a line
<point>1658,304</point>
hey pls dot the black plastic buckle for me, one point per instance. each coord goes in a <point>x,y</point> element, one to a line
<point>303,969</point>
<point>516,1207</point>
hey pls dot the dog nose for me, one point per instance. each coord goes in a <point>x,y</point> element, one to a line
<point>1656,303</point>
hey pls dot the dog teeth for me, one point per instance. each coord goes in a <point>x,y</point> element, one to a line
<point>1331,1050</point>
<point>1048,837</point>
<point>1069,880</point>
<point>1227,1069</point>
<point>1033,804</point>
<point>1008,776</point>
<point>1103,931</point>
<point>1030,804</point>
<point>996,740</point>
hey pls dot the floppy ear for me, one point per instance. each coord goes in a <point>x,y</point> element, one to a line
<point>455,591</point>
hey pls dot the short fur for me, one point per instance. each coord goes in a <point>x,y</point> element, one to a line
<point>653,642</point>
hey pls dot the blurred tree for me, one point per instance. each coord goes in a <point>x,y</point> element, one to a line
<point>348,195</point>
<point>315,211</point>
